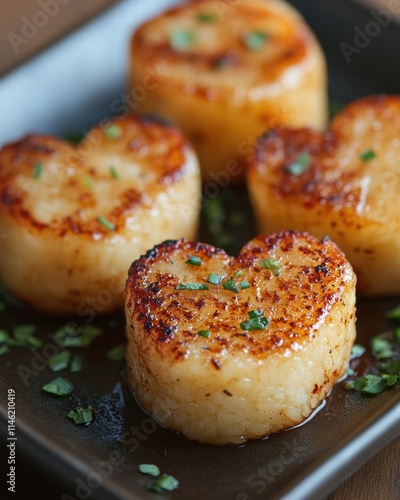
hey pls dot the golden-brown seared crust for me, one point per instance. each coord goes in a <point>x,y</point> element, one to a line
<point>348,187</point>
<point>313,277</point>
<point>289,40</point>
<point>148,155</point>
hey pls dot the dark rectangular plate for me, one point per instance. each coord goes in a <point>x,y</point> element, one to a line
<point>305,462</point>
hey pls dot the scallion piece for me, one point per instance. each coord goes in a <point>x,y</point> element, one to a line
<point>381,348</point>
<point>113,131</point>
<point>106,223</point>
<point>367,155</point>
<point>181,40</point>
<point>37,170</point>
<point>204,333</point>
<point>165,482</point>
<point>194,261</point>
<point>116,353</point>
<point>394,313</point>
<point>244,285</point>
<point>60,361</point>
<point>231,286</point>
<point>81,415</point>
<point>370,384</point>
<point>300,164</point>
<point>206,17</point>
<point>59,386</point>
<point>239,273</point>
<point>114,172</point>
<point>271,264</point>
<point>76,364</point>
<point>4,349</point>
<point>357,351</point>
<point>214,279</point>
<point>150,469</point>
<point>256,322</point>
<point>255,40</point>
<point>192,286</point>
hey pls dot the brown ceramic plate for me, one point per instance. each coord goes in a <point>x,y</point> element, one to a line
<point>102,459</point>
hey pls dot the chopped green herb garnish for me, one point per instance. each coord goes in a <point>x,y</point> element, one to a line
<point>367,155</point>
<point>181,40</point>
<point>394,313</point>
<point>256,322</point>
<point>114,173</point>
<point>59,386</point>
<point>239,273</point>
<point>113,131</point>
<point>165,482</point>
<point>204,333</point>
<point>81,415</point>
<point>271,264</point>
<point>4,349</point>
<point>69,336</point>
<point>150,469</point>
<point>255,40</point>
<point>116,353</point>
<point>194,261</point>
<point>206,17</point>
<point>22,332</point>
<point>76,364</point>
<point>106,223</point>
<point>396,334</point>
<point>60,361</point>
<point>381,348</point>
<point>300,164</point>
<point>391,367</point>
<point>356,351</point>
<point>370,384</point>
<point>215,215</point>
<point>389,379</point>
<point>4,336</point>
<point>37,170</point>
<point>214,279</point>
<point>334,107</point>
<point>231,286</point>
<point>244,285</point>
<point>192,286</point>
<point>88,182</point>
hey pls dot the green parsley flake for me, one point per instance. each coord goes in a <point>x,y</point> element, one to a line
<point>60,361</point>
<point>194,261</point>
<point>256,322</point>
<point>381,348</point>
<point>370,384</point>
<point>393,314</point>
<point>73,336</point>
<point>116,353</point>
<point>367,155</point>
<point>192,286</point>
<point>214,279</point>
<point>204,333</point>
<point>37,170</point>
<point>59,386</point>
<point>271,264</point>
<point>255,40</point>
<point>206,17</point>
<point>22,332</point>
<point>231,286</point>
<point>106,223</point>
<point>244,285</point>
<point>23,337</point>
<point>81,415</point>
<point>4,349</point>
<point>300,164</point>
<point>357,351</point>
<point>391,367</point>
<point>114,172</point>
<point>150,469</point>
<point>181,40</point>
<point>4,337</point>
<point>76,364</point>
<point>165,482</point>
<point>113,131</point>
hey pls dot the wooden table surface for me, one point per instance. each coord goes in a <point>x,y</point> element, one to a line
<point>378,479</point>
